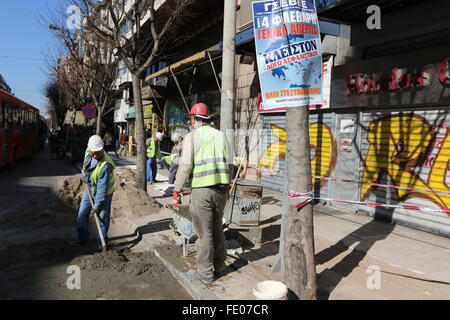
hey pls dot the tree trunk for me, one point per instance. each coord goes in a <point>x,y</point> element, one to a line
<point>141,180</point>
<point>300,270</point>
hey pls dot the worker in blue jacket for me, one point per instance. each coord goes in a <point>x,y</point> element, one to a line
<point>98,174</point>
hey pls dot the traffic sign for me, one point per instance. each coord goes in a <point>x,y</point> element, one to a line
<point>89,111</point>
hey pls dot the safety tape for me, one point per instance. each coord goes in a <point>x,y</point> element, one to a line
<point>307,197</point>
<point>361,182</point>
<point>381,185</point>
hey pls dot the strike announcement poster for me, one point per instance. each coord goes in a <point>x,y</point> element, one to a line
<point>289,53</point>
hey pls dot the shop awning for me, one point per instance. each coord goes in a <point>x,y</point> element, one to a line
<point>202,55</point>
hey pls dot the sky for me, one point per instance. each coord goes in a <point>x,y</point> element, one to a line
<point>24,46</point>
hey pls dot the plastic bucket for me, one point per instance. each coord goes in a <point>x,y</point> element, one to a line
<point>270,290</point>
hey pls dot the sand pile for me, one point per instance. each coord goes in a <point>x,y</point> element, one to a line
<point>129,201</point>
<point>63,199</point>
<point>121,261</point>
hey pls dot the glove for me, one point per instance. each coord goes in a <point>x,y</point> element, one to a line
<point>176,200</point>
<point>97,211</point>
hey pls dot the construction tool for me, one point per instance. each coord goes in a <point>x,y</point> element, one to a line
<point>102,239</point>
<point>234,184</point>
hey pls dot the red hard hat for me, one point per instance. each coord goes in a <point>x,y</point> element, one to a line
<point>200,110</point>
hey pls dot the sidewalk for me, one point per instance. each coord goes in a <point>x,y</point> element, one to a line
<point>412,264</point>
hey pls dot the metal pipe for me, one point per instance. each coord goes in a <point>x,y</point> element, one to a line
<point>179,89</point>
<point>214,71</point>
<point>156,100</point>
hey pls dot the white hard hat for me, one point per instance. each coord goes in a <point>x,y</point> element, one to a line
<point>176,137</point>
<point>95,143</point>
<point>159,136</point>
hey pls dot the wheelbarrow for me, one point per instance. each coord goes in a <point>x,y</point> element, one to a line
<point>182,224</point>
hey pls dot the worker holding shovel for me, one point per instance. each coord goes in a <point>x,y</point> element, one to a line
<point>98,174</point>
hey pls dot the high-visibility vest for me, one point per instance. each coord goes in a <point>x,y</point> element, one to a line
<point>98,169</point>
<point>210,161</point>
<point>169,159</point>
<point>153,149</point>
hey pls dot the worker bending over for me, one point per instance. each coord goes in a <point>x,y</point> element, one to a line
<point>204,165</point>
<point>98,174</point>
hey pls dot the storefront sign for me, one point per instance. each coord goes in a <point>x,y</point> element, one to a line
<point>289,54</point>
<point>413,78</point>
<point>148,111</point>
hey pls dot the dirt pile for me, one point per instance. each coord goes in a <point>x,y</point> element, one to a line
<point>69,190</point>
<point>129,201</point>
<point>121,261</point>
<point>54,205</point>
<point>63,199</point>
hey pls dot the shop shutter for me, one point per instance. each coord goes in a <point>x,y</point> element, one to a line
<point>407,149</point>
<point>321,126</point>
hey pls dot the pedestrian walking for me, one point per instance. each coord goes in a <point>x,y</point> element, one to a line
<point>153,153</point>
<point>123,140</point>
<point>109,143</point>
<point>204,165</point>
<point>98,174</point>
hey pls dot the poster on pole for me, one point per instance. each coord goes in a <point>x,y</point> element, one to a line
<point>289,54</point>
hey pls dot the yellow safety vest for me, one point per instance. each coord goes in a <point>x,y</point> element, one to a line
<point>210,161</point>
<point>153,148</point>
<point>98,169</point>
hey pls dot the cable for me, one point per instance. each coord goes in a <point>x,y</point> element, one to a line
<point>20,58</point>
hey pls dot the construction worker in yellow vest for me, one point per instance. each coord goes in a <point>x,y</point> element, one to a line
<point>98,174</point>
<point>205,167</point>
<point>153,153</point>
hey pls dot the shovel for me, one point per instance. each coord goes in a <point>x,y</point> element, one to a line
<point>102,239</point>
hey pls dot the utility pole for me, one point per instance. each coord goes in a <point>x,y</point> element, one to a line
<point>299,263</point>
<point>228,71</point>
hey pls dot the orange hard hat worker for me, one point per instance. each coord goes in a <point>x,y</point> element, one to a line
<point>200,110</point>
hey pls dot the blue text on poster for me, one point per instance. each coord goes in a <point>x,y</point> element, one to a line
<point>289,53</point>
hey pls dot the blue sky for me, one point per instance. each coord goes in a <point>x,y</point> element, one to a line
<point>24,44</point>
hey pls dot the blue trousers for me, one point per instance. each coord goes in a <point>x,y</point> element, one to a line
<point>152,169</point>
<point>83,217</point>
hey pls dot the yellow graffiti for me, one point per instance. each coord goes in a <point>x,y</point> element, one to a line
<point>398,147</point>
<point>274,153</point>
<point>322,147</point>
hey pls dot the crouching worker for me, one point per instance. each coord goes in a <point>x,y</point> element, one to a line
<point>98,174</point>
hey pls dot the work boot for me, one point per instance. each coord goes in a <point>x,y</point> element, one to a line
<point>221,270</point>
<point>194,275</point>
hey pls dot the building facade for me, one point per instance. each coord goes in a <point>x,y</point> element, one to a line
<point>4,85</point>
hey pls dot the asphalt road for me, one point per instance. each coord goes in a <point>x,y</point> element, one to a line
<point>30,176</point>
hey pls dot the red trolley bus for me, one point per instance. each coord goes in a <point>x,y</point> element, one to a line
<point>19,129</point>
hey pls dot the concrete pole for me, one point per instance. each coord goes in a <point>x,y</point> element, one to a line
<point>228,71</point>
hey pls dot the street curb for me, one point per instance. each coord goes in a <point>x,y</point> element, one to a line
<point>198,291</point>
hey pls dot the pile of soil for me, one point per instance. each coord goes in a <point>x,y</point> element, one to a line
<point>63,200</point>
<point>125,261</point>
<point>129,201</point>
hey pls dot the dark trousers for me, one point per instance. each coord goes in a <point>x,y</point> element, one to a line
<point>206,208</point>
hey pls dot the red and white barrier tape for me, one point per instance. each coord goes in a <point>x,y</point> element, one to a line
<point>307,198</point>
<point>362,183</point>
<point>382,185</point>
